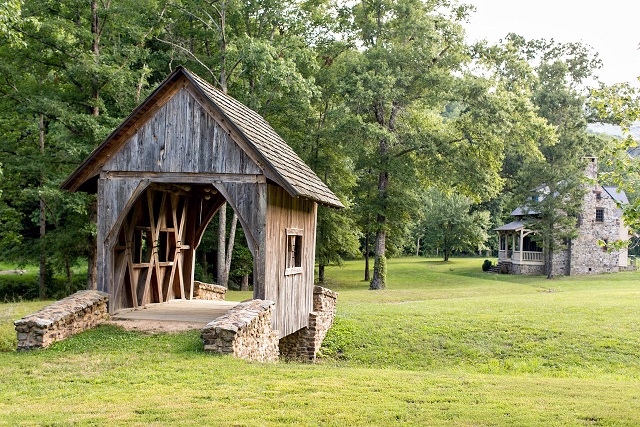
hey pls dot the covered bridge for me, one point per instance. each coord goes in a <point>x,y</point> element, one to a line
<point>162,175</point>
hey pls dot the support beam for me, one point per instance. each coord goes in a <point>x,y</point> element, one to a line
<point>185,178</point>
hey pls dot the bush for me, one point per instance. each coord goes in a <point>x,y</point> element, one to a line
<point>486,265</point>
<point>17,287</point>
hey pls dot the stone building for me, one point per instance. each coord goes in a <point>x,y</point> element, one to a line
<point>601,219</point>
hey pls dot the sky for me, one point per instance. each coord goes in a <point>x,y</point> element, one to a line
<point>610,27</point>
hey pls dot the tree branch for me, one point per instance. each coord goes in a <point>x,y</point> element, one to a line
<point>177,46</point>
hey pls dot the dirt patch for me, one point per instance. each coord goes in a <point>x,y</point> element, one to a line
<point>155,326</point>
<point>12,272</point>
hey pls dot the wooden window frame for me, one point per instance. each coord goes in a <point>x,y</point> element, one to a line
<point>600,214</point>
<point>293,251</point>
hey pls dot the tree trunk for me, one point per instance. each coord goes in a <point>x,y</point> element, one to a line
<point>224,256</point>
<point>205,265</point>
<point>446,255</point>
<point>92,256</point>
<point>321,272</point>
<point>418,247</point>
<point>379,261</point>
<point>222,240</point>
<point>230,244</point>
<point>245,283</point>
<point>42,288</point>
<point>367,276</point>
<point>67,269</point>
<point>548,264</point>
<point>95,47</point>
<point>223,46</point>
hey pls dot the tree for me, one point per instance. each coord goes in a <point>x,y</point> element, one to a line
<point>558,73</point>
<point>620,104</point>
<point>77,72</point>
<point>451,225</point>
<point>410,49</point>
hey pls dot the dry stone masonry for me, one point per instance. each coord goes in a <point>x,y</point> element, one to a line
<point>305,343</point>
<point>244,332</point>
<point>58,321</point>
<point>208,291</point>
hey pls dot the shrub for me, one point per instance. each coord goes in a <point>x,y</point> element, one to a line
<point>486,265</point>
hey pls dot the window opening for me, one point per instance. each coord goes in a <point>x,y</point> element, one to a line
<point>599,214</point>
<point>162,246</point>
<point>293,263</point>
<point>141,245</point>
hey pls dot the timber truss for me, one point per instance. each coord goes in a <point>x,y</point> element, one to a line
<point>154,252</point>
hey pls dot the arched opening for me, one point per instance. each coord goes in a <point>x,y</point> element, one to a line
<point>237,268</point>
<point>153,250</point>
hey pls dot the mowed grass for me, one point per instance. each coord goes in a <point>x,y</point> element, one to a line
<point>444,344</point>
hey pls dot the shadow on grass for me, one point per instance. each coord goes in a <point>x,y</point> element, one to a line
<point>115,339</point>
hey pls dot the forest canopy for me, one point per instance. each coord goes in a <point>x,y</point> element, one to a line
<point>384,99</point>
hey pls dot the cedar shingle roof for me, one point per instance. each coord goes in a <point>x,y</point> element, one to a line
<point>290,171</point>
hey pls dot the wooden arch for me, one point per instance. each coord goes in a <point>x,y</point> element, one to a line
<point>154,239</point>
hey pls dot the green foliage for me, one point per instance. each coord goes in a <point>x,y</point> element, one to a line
<point>382,98</point>
<point>620,104</point>
<point>486,265</point>
<point>451,225</point>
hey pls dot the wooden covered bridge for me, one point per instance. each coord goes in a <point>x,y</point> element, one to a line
<point>161,176</point>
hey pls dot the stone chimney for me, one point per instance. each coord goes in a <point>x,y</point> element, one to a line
<point>591,170</point>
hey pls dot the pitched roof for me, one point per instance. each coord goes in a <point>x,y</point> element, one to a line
<point>515,225</point>
<point>284,165</point>
<point>522,211</point>
<point>617,194</point>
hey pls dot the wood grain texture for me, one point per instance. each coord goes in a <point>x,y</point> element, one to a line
<point>294,292</point>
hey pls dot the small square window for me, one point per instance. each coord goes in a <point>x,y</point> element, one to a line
<point>598,195</point>
<point>599,214</point>
<point>293,262</point>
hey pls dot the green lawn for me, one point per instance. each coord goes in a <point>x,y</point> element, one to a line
<point>444,344</point>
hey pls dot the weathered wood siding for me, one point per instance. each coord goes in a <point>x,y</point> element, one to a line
<point>293,293</point>
<point>182,137</point>
<point>113,197</point>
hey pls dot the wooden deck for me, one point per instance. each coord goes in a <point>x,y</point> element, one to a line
<point>172,316</point>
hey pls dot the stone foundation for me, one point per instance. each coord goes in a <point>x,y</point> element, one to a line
<point>244,332</point>
<point>531,270</point>
<point>305,343</point>
<point>58,321</point>
<point>208,291</point>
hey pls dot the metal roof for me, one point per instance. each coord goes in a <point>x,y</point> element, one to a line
<point>523,211</point>
<point>617,194</point>
<point>512,226</point>
<point>290,171</point>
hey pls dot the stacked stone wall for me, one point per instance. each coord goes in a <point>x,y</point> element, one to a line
<point>208,291</point>
<point>587,257</point>
<point>526,269</point>
<point>58,321</point>
<point>561,263</point>
<point>305,343</point>
<point>244,332</point>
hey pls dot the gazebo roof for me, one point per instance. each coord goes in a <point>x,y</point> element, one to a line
<point>275,157</point>
<point>512,226</point>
